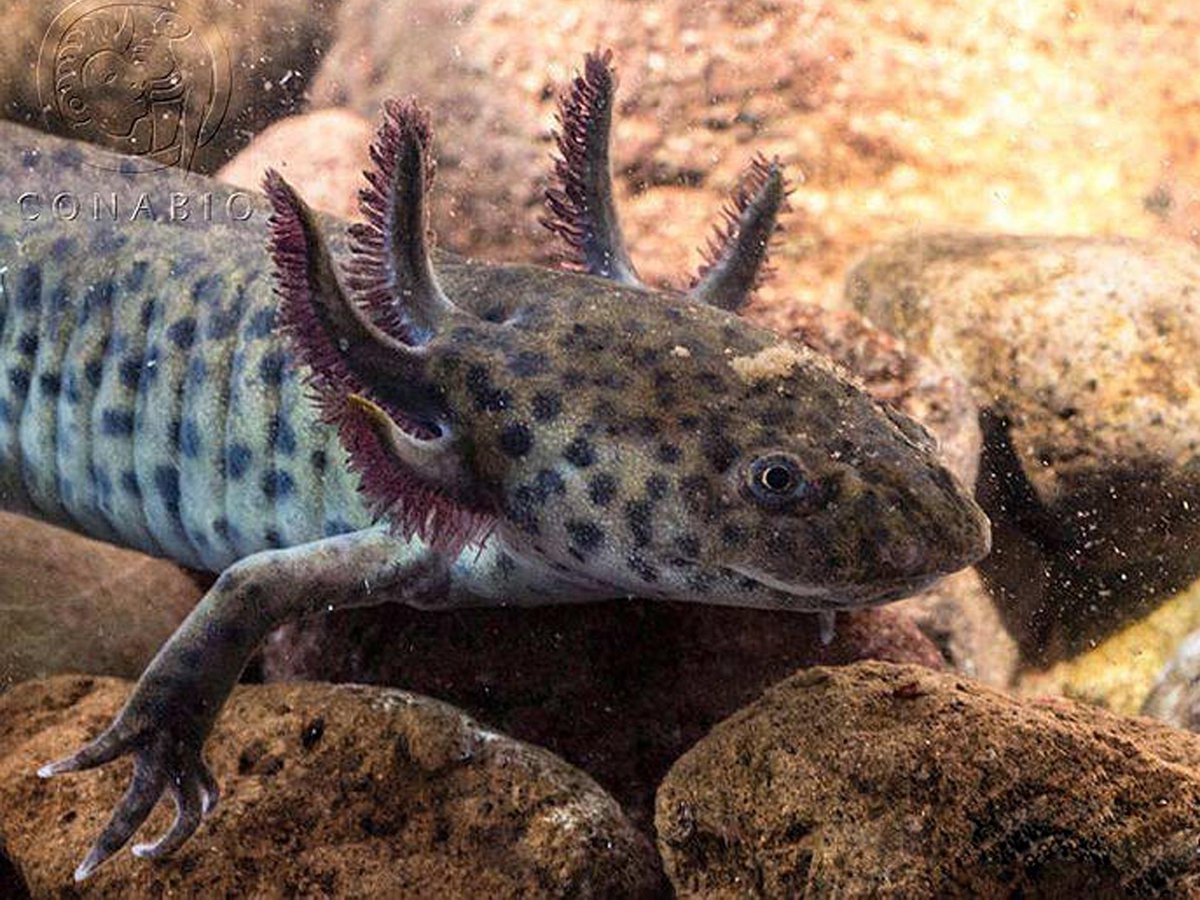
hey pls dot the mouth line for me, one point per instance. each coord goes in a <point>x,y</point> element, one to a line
<point>907,584</point>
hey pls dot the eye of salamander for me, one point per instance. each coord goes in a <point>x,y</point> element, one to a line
<point>777,480</point>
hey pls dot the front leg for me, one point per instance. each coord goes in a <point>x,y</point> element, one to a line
<point>173,707</point>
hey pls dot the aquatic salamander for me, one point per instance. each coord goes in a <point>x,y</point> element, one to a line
<point>332,419</point>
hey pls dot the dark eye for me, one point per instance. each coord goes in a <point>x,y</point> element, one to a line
<point>777,480</point>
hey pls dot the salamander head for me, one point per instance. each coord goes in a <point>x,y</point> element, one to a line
<point>645,442</point>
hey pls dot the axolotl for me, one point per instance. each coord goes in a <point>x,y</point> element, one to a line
<point>332,418</point>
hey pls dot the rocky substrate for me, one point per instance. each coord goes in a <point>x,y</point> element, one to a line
<point>891,780</point>
<point>326,792</point>
<point>1080,353</point>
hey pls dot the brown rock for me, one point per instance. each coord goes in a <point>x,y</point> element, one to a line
<point>327,791</point>
<point>69,604</point>
<point>212,71</point>
<point>1081,352</point>
<point>878,779</point>
<point>619,689</point>
<point>323,154</point>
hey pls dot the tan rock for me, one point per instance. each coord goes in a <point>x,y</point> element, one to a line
<point>327,792</point>
<point>1081,352</point>
<point>69,604</point>
<point>619,689</point>
<point>323,154</point>
<point>877,779</point>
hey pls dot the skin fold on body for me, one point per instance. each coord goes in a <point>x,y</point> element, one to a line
<point>332,418</point>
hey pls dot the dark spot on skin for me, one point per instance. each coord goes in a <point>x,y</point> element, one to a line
<point>166,482</point>
<point>487,397</point>
<point>546,406</point>
<point>641,568</point>
<point>136,276</point>
<point>602,488</point>
<point>68,156</point>
<point>516,440</point>
<point>149,308</point>
<point>182,333</point>
<point>237,460</point>
<point>207,289</point>
<point>611,381</point>
<point>646,356</point>
<point>688,545</point>
<point>319,461</point>
<point>522,509</point>
<point>173,434</point>
<point>93,372</point>
<point>712,382</point>
<point>733,535</point>
<point>781,542</point>
<point>506,565</point>
<point>223,322</point>
<point>656,486</point>
<point>579,453</point>
<point>277,483</point>
<point>18,381</point>
<point>189,439</point>
<point>647,426</point>
<point>30,157</point>
<point>549,482</point>
<point>262,323</point>
<point>700,582</point>
<point>573,378</point>
<point>27,343</point>
<point>103,483</point>
<point>272,538</point>
<point>639,516</point>
<point>127,167</point>
<point>720,451</point>
<point>585,534</point>
<point>280,436</point>
<point>528,363</point>
<point>335,527</point>
<point>689,421</point>
<point>130,371</point>
<point>270,367</point>
<point>668,453</point>
<point>6,415</point>
<point>129,483</point>
<point>29,287</point>
<point>495,314</point>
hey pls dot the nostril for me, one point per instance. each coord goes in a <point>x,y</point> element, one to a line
<point>901,555</point>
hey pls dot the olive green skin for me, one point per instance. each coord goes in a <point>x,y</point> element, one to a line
<point>612,431</point>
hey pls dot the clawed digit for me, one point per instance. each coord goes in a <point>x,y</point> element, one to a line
<point>158,765</point>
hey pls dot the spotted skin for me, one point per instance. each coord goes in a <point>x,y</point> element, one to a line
<point>609,436</point>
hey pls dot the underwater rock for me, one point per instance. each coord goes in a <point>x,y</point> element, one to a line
<point>1081,353</point>
<point>619,689</point>
<point>70,604</point>
<point>1175,696</point>
<point>881,779</point>
<point>196,82</point>
<point>322,153</point>
<point>1119,673</point>
<point>326,791</point>
<point>958,615</point>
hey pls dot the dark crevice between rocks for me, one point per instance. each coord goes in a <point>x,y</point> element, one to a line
<point>12,885</point>
<point>1049,599</point>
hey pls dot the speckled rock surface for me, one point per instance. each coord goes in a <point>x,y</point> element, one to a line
<point>242,66</point>
<point>619,689</point>
<point>892,780</point>
<point>322,153</point>
<point>68,604</point>
<point>1175,696</point>
<point>1082,353</point>
<point>327,792</point>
